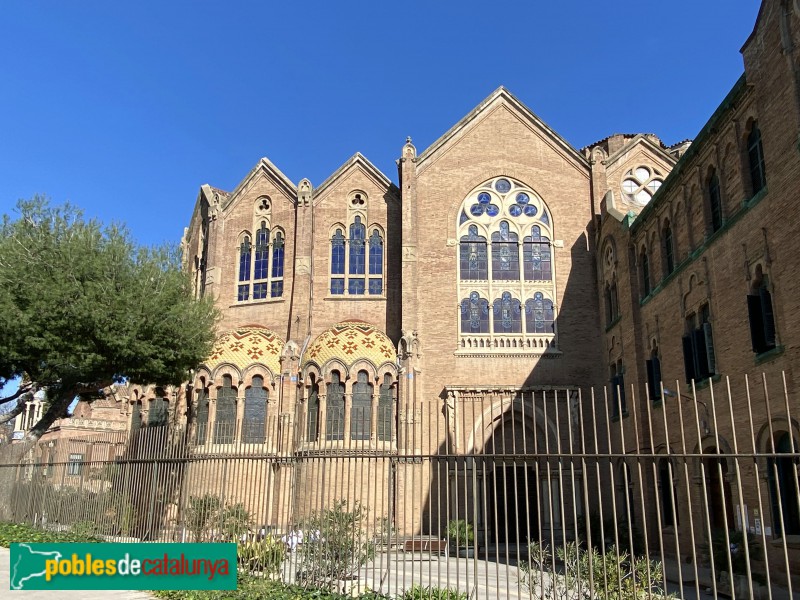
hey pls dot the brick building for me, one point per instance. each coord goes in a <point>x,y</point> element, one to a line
<point>371,318</point>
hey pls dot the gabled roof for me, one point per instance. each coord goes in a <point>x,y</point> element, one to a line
<point>357,159</point>
<point>641,138</point>
<point>272,172</point>
<point>502,95</point>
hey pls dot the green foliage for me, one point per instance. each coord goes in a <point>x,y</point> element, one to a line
<point>418,592</point>
<point>22,532</point>
<point>459,533</point>
<point>262,556</point>
<point>736,549</point>
<point>200,514</point>
<point>335,545</point>
<point>252,588</point>
<point>235,521</point>
<point>591,574</point>
<point>82,306</point>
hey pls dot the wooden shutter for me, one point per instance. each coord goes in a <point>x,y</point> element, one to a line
<point>711,358</point>
<point>755,314</point>
<point>688,357</point>
<point>767,317</point>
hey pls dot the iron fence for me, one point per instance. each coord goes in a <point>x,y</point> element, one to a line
<point>496,492</point>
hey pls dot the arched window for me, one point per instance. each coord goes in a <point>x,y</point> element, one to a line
<point>334,419</point>
<point>783,487</point>
<point>507,314</point>
<point>337,262</point>
<point>276,288</point>
<point>260,270</point>
<point>358,234</point>
<point>313,410</point>
<point>505,254</point>
<point>495,284</point>
<point>755,155</point>
<point>618,402</point>
<point>255,412</point>
<point>136,416</point>
<point>375,263</point>
<point>669,249</point>
<point>225,422</point>
<point>668,493</point>
<point>714,203</point>
<point>653,368</point>
<point>385,409</point>
<point>361,408</point>
<point>201,416</point>
<point>607,299</point>
<point>539,314</point>
<point>761,315</point>
<point>245,257</point>
<point>474,264</point>
<point>157,415</point>
<point>644,268</point>
<point>475,314</point>
<point>536,256</point>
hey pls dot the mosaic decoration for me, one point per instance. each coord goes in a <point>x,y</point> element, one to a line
<point>350,341</point>
<point>244,346</point>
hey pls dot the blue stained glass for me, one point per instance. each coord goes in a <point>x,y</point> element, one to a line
<point>476,209</point>
<point>277,289</point>
<point>244,293</point>
<point>474,314</point>
<point>262,253</point>
<point>531,210</point>
<point>375,253</point>
<point>502,185</point>
<point>358,233</point>
<point>259,291</point>
<point>277,256</point>
<point>337,286</point>
<point>544,218</point>
<point>492,210</point>
<point>244,260</point>
<point>523,198</point>
<point>337,253</point>
<point>356,286</point>
<point>515,210</point>
<point>484,198</point>
<point>507,314</point>
<point>375,287</point>
<point>464,218</point>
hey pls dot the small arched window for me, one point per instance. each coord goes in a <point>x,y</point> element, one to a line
<point>157,415</point>
<point>276,287</point>
<point>644,268</point>
<point>261,263</point>
<point>385,409</point>
<point>474,263</point>
<point>507,314</point>
<point>714,203</point>
<point>361,408</point>
<point>618,402</point>
<point>505,254</point>
<point>225,422</point>
<point>358,234</point>
<point>337,262</point>
<point>536,256</point>
<point>201,416</point>
<point>334,418</point>
<point>761,315</point>
<point>245,257</point>
<point>136,416</point>
<point>313,410</point>
<point>755,155</point>
<point>375,263</point>
<point>255,412</point>
<point>669,249</point>
<point>539,314</point>
<point>475,314</point>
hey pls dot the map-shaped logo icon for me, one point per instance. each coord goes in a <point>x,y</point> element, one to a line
<point>28,564</point>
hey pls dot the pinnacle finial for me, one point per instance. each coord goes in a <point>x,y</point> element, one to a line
<point>408,139</point>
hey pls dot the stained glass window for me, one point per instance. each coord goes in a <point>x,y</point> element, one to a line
<point>385,409</point>
<point>202,416</point>
<point>245,257</point>
<point>539,314</point>
<point>313,410</point>
<point>507,314</point>
<point>337,253</point>
<point>225,422</point>
<point>262,252</point>
<point>334,419</point>
<point>536,256</point>
<point>277,255</point>
<point>475,314</point>
<point>474,263</point>
<point>361,408</point>
<point>375,253</point>
<point>255,412</point>
<point>358,234</point>
<point>505,254</point>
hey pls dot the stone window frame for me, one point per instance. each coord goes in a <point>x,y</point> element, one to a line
<point>761,311</point>
<point>640,185</point>
<point>491,289</point>
<point>754,143</point>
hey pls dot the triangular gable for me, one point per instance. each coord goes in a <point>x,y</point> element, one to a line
<point>272,172</point>
<point>356,160</point>
<point>502,96</point>
<point>761,14</point>
<point>645,141</point>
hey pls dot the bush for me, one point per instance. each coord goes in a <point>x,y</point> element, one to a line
<point>251,588</point>
<point>235,522</point>
<point>335,545</point>
<point>22,532</point>
<point>459,533</point>
<point>418,592</point>
<point>264,556</point>
<point>200,514</point>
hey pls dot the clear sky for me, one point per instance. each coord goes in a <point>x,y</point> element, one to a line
<point>126,108</point>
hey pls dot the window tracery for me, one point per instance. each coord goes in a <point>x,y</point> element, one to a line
<point>356,259</point>
<point>505,270</point>
<point>260,265</point>
<point>641,183</point>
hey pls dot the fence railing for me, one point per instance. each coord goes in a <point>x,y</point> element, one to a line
<point>495,492</point>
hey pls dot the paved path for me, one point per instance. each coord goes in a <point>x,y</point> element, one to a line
<point>5,556</point>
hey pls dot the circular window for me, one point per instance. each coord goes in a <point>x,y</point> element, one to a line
<point>640,184</point>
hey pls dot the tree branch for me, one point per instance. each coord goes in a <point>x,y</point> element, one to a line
<point>56,410</point>
<point>12,414</point>
<point>22,389</point>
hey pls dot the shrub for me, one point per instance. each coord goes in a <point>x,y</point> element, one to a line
<point>459,533</point>
<point>22,532</point>
<point>263,556</point>
<point>200,514</point>
<point>418,592</point>
<point>335,545</point>
<point>235,522</point>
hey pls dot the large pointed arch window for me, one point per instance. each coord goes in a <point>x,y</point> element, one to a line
<point>255,412</point>
<point>261,265</point>
<point>361,408</point>
<point>245,257</point>
<point>375,263</point>
<point>755,156</point>
<point>358,234</point>
<point>334,417</point>
<point>225,422</point>
<point>506,270</point>
<point>385,409</point>
<point>357,255</point>
<point>313,410</point>
<point>201,417</point>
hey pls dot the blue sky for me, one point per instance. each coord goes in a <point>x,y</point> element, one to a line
<point>125,109</point>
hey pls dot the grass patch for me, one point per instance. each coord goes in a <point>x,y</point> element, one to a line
<point>22,532</point>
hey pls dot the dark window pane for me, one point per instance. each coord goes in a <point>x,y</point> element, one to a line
<point>473,256</point>
<point>355,286</point>
<point>334,419</point>
<point>262,253</point>
<point>361,408</point>
<point>276,289</point>
<point>277,256</point>
<point>225,423</point>
<point>539,315</point>
<point>255,413</point>
<point>243,293</point>
<point>358,234</point>
<point>259,291</point>
<point>375,254</point>
<point>375,287</point>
